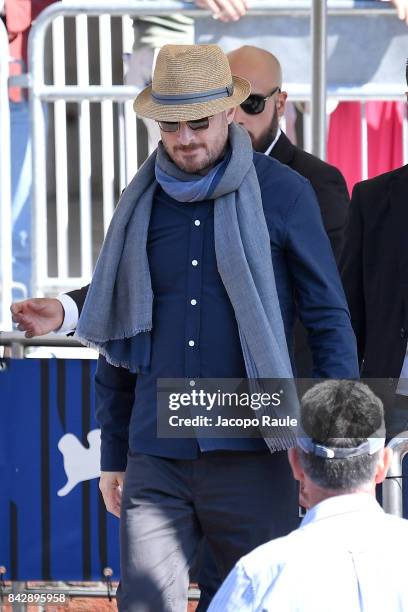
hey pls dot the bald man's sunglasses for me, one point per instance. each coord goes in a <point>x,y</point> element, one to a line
<point>255,103</point>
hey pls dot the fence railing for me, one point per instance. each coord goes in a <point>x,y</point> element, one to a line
<point>5,186</point>
<point>392,486</point>
<point>116,118</point>
<point>81,220</point>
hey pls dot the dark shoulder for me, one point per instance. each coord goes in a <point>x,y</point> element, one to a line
<point>378,186</point>
<point>313,167</point>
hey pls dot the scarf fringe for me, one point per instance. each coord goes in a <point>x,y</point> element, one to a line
<point>277,444</point>
<point>115,363</point>
<point>125,336</point>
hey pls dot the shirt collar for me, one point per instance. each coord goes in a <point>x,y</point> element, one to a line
<point>341,504</point>
<point>273,143</point>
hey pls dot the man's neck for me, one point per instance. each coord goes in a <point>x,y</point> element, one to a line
<point>318,494</point>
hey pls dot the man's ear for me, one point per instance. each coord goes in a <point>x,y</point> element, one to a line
<point>383,464</point>
<point>280,104</point>
<point>230,113</point>
<point>305,497</point>
<point>296,467</point>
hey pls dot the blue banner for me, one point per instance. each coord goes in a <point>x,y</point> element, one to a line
<point>53,522</point>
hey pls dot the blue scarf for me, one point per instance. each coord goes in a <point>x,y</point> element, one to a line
<point>185,187</point>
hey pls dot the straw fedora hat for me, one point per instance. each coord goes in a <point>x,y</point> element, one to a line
<point>190,82</point>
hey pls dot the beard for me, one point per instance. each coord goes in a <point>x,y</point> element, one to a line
<point>193,166</point>
<point>263,141</point>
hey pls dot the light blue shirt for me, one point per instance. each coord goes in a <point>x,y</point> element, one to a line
<point>346,556</point>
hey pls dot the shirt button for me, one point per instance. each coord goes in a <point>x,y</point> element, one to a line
<point>194,262</point>
<point>191,343</point>
<point>197,222</point>
<point>193,302</point>
<point>192,383</point>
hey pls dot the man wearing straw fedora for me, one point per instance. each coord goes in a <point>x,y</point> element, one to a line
<point>210,252</point>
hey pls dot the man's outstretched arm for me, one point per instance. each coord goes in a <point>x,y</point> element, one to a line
<point>39,316</point>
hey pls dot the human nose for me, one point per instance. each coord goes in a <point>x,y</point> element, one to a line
<point>240,116</point>
<point>185,134</point>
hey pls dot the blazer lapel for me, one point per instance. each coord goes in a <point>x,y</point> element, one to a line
<point>398,201</point>
<point>283,150</point>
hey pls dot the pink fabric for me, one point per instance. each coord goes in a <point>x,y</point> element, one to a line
<point>19,16</point>
<point>384,125</point>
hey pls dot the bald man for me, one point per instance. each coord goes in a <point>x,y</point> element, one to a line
<point>260,115</point>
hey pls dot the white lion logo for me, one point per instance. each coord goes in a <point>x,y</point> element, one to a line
<point>80,463</point>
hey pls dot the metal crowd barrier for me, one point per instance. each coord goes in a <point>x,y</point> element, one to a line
<point>5,186</point>
<point>83,93</point>
<point>392,486</point>
<point>107,108</point>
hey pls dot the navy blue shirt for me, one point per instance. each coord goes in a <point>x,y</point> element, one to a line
<point>195,334</point>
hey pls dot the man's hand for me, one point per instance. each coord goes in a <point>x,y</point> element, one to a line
<point>111,485</point>
<point>38,316</point>
<point>402,9</point>
<point>224,10</point>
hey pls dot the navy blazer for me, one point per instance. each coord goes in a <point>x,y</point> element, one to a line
<point>333,199</point>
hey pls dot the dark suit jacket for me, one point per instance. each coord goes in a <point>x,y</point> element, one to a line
<point>328,183</point>
<point>333,198</point>
<point>79,295</point>
<point>374,269</point>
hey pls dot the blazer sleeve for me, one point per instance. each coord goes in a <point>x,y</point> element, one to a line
<point>79,295</point>
<point>333,198</point>
<point>319,294</point>
<point>114,397</point>
<point>351,269</point>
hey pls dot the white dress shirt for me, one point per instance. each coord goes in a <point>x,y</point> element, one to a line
<point>347,556</point>
<point>71,314</point>
<point>273,143</point>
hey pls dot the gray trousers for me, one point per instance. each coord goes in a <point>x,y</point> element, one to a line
<point>237,500</point>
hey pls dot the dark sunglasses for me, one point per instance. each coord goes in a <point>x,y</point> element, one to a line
<point>194,124</point>
<point>255,103</point>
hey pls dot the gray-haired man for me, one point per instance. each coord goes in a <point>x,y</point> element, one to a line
<point>340,557</point>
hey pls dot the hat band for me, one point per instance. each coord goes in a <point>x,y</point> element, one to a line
<point>194,98</point>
